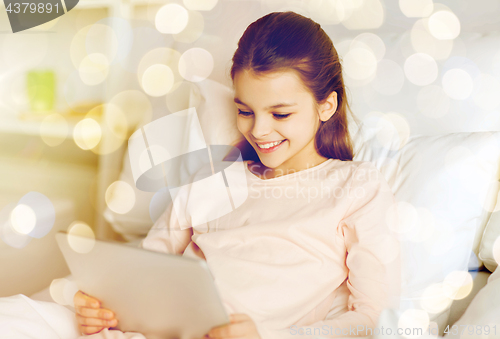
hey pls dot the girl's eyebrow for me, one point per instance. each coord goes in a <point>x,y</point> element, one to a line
<point>281,104</point>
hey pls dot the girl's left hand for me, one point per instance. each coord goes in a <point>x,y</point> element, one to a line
<point>241,327</point>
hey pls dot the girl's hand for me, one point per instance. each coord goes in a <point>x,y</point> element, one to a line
<point>90,316</point>
<point>241,327</point>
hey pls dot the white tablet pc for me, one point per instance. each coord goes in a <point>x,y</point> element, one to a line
<point>159,295</point>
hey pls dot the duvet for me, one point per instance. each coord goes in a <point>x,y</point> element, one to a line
<point>24,318</point>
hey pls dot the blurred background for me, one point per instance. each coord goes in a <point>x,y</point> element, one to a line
<point>73,90</point>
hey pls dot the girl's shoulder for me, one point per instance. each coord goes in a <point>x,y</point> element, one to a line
<point>356,171</point>
<point>350,165</point>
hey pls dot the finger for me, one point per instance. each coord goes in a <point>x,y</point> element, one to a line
<point>239,317</point>
<point>99,313</point>
<point>84,300</point>
<point>90,329</point>
<point>230,331</point>
<point>95,322</point>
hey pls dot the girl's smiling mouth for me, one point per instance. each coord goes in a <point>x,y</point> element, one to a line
<point>270,146</point>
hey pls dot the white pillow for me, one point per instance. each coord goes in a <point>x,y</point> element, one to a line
<point>214,105</point>
<point>442,184</point>
<point>489,251</point>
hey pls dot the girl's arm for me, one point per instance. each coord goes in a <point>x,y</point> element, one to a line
<point>370,229</point>
<point>167,235</point>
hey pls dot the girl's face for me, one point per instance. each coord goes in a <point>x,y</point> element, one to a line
<point>279,118</point>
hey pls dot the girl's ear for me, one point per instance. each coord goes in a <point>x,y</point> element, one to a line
<point>329,107</point>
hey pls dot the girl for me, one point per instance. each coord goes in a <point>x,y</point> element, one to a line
<point>311,250</point>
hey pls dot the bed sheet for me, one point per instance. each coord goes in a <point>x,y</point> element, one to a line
<point>24,318</point>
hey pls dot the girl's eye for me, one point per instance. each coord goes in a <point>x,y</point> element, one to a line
<point>281,116</point>
<point>276,115</point>
<point>244,113</point>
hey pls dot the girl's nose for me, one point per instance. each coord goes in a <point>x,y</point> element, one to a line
<point>261,128</point>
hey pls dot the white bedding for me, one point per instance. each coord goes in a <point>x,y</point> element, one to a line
<point>484,310</point>
<point>25,318</point>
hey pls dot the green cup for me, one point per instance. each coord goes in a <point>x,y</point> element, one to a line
<point>41,88</point>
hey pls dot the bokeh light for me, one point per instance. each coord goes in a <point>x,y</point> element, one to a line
<point>161,56</point>
<point>78,48</point>
<point>416,8</point>
<point>193,30</point>
<point>185,96</point>
<point>393,132</point>
<point>50,123</point>
<point>171,19</point>
<point>324,12</point>
<point>200,5</point>
<point>370,41</point>
<point>433,102</point>
<point>114,128</point>
<point>389,79</point>
<point>465,64</point>
<point>120,197</point>
<point>196,64</point>
<point>360,63</point>
<point>62,291</point>
<point>434,299</point>
<point>421,69</point>
<point>44,211</point>
<point>94,69</point>
<point>412,319</point>
<point>486,88</point>
<point>402,217</point>
<point>457,84</point>
<point>7,232</point>
<point>135,105</point>
<point>23,219</point>
<point>444,25</point>
<point>102,40</point>
<point>457,284</point>
<point>80,97</point>
<point>423,41</point>
<point>81,238</point>
<point>157,80</point>
<point>87,133</point>
<point>364,14</point>
<point>119,41</point>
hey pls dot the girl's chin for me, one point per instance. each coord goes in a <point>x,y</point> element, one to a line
<point>270,163</point>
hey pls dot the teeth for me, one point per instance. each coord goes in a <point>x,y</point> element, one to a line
<point>272,144</point>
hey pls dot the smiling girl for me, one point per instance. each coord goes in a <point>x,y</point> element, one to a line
<point>318,256</point>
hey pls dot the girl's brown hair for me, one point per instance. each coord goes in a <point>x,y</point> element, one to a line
<point>287,40</point>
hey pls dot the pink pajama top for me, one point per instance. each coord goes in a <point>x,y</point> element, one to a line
<point>311,252</point>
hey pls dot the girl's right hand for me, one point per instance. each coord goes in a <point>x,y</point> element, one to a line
<point>90,316</point>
